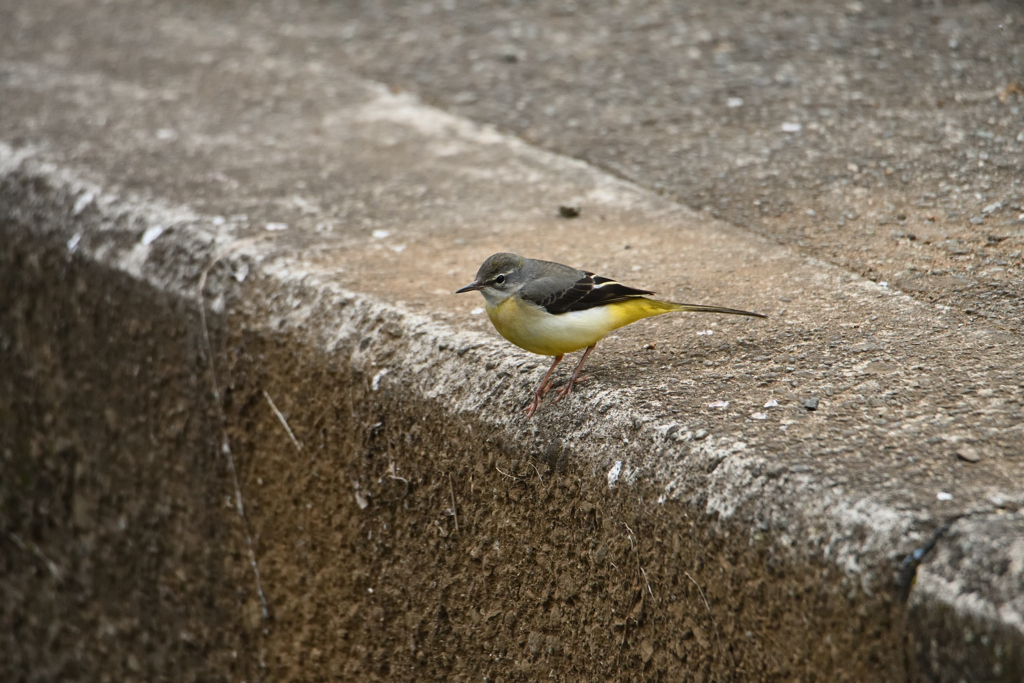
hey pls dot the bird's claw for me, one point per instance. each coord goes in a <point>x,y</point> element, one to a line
<point>538,396</point>
<point>548,382</point>
<point>532,408</point>
<point>567,389</point>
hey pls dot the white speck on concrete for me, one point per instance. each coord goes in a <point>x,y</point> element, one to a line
<point>942,495</point>
<point>375,385</point>
<point>718,404</point>
<point>219,220</point>
<point>166,134</point>
<point>759,416</point>
<point>275,227</point>
<point>772,404</point>
<point>380,234</point>
<point>476,311</point>
<point>151,234</point>
<point>704,333</point>
<point>791,127</point>
<point>82,202</point>
<point>398,248</point>
<point>613,473</point>
<point>734,102</point>
<point>73,242</point>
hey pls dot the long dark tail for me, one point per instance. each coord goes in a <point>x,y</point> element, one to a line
<point>697,308</point>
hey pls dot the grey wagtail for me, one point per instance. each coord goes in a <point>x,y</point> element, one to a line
<point>551,309</point>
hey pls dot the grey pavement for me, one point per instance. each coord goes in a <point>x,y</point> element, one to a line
<point>337,171</point>
<point>880,136</point>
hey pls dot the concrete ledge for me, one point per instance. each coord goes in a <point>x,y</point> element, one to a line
<point>407,535</point>
<point>404,518</point>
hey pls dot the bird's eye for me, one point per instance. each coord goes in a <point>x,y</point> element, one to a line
<point>500,280</point>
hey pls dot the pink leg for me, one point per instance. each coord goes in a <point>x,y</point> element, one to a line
<point>567,389</point>
<point>545,385</point>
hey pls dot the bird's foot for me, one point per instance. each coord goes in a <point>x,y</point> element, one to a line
<point>534,404</point>
<point>538,396</point>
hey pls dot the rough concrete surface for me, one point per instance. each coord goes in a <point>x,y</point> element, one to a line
<point>319,468</point>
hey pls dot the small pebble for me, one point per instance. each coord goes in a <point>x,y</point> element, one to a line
<point>942,495</point>
<point>968,454</point>
<point>810,403</point>
<point>569,210</point>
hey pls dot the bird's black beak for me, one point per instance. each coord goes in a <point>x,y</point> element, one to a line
<point>474,286</point>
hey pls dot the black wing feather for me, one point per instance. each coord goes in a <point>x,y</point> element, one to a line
<point>588,292</point>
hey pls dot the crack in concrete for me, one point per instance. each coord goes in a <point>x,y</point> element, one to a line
<point>225,441</point>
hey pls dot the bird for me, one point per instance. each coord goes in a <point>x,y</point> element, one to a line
<point>552,309</point>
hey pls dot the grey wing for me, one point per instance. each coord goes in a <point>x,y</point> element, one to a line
<point>564,294</point>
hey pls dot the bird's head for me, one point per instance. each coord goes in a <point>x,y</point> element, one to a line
<point>498,278</point>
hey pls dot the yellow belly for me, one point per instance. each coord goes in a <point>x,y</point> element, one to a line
<point>530,327</point>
